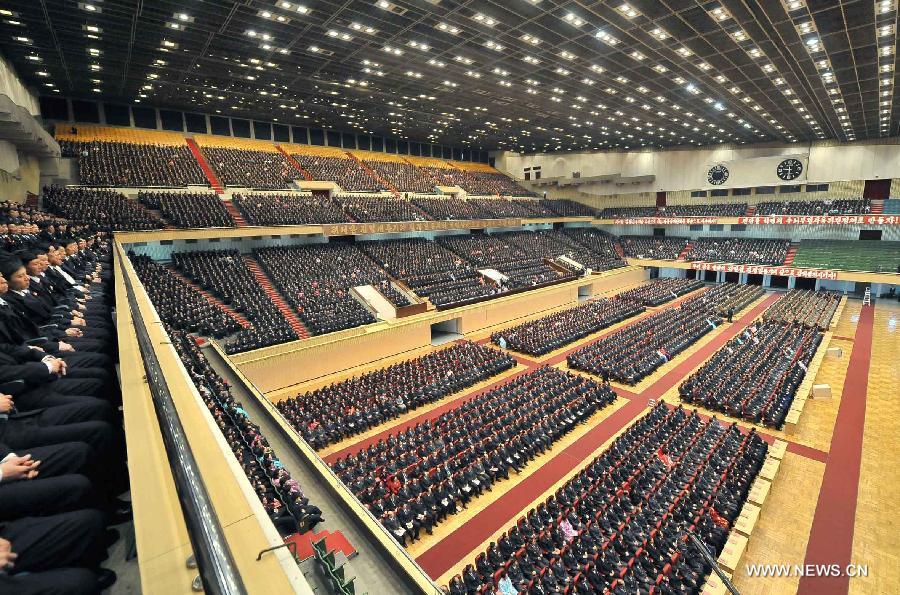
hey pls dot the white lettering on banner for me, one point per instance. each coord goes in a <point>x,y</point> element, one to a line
<point>666,221</point>
<point>761,270</point>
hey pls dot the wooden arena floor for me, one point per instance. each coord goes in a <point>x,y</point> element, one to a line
<point>831,503</point>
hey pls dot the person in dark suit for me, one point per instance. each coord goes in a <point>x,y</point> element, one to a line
<point>54,554</point>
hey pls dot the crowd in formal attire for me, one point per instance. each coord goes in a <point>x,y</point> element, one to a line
<point>636,351</point>
<point>431,270</point>
<point>104,209</point>
<point>343,171</point>
<point>316,280</point>
<point>414,479</point>
<point>337,411</point>
<point>620,525</point>
<point>62,454</point>
<point>188,209</point>
<point>289,209</point>
<point>660,291</point>
<point>755,376</point>
<point>366,209</point>
<point>811,309</point>
<point>734,209</point>
<point>593,251</point>
<point>655,247</point>
<point>815,207</point>
<point>627,212</point>
<point>451,209</point>
<point>548,333</point>
<point>502,208</point>
<point>179,303</point>
<point>739,250</point>
<point>279,493</point>
<point>224,274</point>
<point>522,265</point>
<point>102,163</point>
<point>569,208</point>
<point>404,177</point>
<point>244,168</point>
<point>598,242</point>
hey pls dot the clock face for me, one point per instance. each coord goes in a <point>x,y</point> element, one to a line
<point>789,169</point>
<point>717,175</point>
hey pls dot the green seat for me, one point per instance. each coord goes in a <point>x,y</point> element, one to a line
<point>319,547</point>
<point>337,574</point>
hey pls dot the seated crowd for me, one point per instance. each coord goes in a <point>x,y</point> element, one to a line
<point>340,410</point>
<point>225,274</point>
<point>62,452</point>
<point>755,375</point>
<point>451,209</point>
<point>502,208</point>
<point>660,291</point>
<point>179,303</point>
<point>477,183</point>
<point>343,171</point>
<point>811,309</point>
<point>129,164</point>
<point>189,209</point>
<point>548,333</point>
<point>739,250</point>
<point>815,207</point>
<point>597,253</point>
<point>316,279</point>
<point>569,208</point>
<point>430,270</point>
<point>404,177</point>
<point>288,209</point>
<point>654,247</point>
<point>244,168</point>
<point>628,212</point>
<point>105,209</point>
<point>735,209</point>
<point>418,477</point>
<point>372,209</point>
<point>621,525</point>
<point>598,242</point>
<point>637,350</point>
<point>280,494</point>
<point>521,263</point>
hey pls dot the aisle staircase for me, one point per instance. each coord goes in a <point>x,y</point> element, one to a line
<point>791,253</point>
<point>619,250</point>
<point>276,298</point>
<point>685,252</point>
<point>207,170</point>
<point>372,173</point>
<point>877,206</point>
<point>235,213</point>
<point>211,298</point>
<point>295,163</point>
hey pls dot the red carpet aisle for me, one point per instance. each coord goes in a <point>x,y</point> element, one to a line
<point>442,556</point>
<point>831,536</point>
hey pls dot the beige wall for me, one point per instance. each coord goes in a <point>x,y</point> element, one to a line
<point>15,185</point>
<point>286,365</point>
<point>685,169</point>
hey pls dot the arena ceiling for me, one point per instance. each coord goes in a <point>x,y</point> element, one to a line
<point>490,74</point>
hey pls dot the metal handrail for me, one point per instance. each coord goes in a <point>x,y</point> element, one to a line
<point>217,569</point>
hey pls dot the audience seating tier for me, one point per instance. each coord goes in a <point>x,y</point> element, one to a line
<point>739,250</point>
<point>103,209</point>
<point>414,479</point>
<point>756,375</point>
<point>225,274</point>
<point>622,523</point>
<point>102,163</point>
<point>189,209</point>
<point>341,410</point>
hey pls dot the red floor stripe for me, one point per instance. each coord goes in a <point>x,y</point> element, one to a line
<point>444,554</point>
<point>831,536</point>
